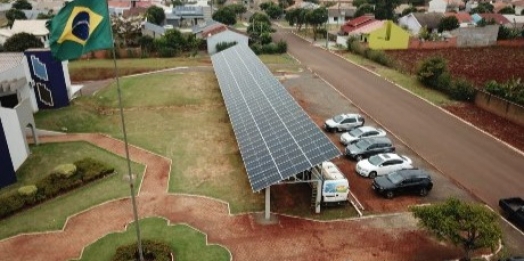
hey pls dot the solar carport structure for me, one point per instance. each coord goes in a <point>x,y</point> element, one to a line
<point>276,138</point>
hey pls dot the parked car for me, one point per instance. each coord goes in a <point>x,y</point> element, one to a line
<point>514,210</point>
<point>369,147</point>
<point>344,122</point>
<point>404,181</point>
<point>382,164</point>
<point>362,132</point>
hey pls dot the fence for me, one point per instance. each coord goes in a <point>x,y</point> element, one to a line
<point>501,107</point>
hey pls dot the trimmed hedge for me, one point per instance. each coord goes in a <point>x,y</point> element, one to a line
<point>65,170</point>
<point>152,251</point>
<point>60,180</point>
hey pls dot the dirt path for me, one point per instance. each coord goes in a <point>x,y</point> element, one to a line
<point>288,239</point>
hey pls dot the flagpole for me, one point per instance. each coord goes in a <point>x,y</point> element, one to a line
<point>126,145</point>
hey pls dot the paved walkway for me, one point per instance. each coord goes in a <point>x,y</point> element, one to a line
<point>287,239</point>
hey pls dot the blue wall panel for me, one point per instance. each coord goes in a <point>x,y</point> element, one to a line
<point>7,172</point>
<point>48,75</point>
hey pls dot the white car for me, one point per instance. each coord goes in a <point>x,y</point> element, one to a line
<point>382,164</point>
<point>344,122</point>
<point>361,133</point>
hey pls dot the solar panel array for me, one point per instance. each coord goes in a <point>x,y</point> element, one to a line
<point>276,138</point>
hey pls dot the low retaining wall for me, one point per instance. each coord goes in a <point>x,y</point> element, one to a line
<point>501,107</point>
<point>415,43</point>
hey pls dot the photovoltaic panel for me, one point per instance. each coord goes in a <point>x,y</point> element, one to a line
<point>276,138</point>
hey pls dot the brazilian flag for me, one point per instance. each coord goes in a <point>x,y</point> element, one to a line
<point>79,27</point>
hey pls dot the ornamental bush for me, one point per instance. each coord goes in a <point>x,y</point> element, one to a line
<point>462,90</point>
<point>152,250</point>
<point>65,170</point>
<point>430,70</point>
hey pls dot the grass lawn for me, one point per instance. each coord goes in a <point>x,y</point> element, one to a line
<point>181,116</point>
<point>408,82</point>
<point>51,215</point>
<point>187,243</point>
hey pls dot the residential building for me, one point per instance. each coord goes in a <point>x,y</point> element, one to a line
<point>388,37</point>
<point>416,21</point>
<point>463,18</point>
<point>35,27</point>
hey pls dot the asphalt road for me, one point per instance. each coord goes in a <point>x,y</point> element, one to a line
<point>481,164</point>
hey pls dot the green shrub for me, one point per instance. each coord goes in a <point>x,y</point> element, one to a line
<point>357,48</point>
<point>152,250</point>
<point>282,46</point>
<point>224,45</point>
<point>430,70</point>
<point>443,83</point>
<point>495,88</point>
<point>270,48</point>
<point>349,42</point>
<point>512,90</point>
<point>65,170</point>
<point>256,48</point>
<point>29,190</point>
<point>10,203</point>
<point>29,194</point>
<point>462,90</point>
<point>166,52</point>
<point>90,169</point>
<point>379,57</point>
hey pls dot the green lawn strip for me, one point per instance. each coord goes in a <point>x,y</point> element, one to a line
<point>52,214</point>
<point>408,82</point>
<point>282,59</point>
<point>187,243</point>
<point>149,63</point>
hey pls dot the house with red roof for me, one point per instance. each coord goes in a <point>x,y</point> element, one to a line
<point>356,23</point>
<point>497,18</point>
<point>465,19</point>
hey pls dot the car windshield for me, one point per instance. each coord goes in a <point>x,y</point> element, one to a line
<point>394,177</point>
<point>338,118</point>
<point>362,144</point>
<point>355,132</point>
<point>375,160</point>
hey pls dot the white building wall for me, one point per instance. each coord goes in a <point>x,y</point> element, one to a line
<point>15,136</point>
<point>21,71</point>
<point>438,6</point>
<point>225,36</point>
<point>411,23</point>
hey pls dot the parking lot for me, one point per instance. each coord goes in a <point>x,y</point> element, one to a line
<point>321,101</point>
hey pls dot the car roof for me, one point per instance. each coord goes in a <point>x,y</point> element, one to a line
<point>387,156</point>
<point>349,115</point>
<point>366,128</point>
<point>379,140</point>
<point>413,173</point>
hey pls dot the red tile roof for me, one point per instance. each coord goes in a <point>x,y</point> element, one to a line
<point>353,24</point>
<point>462,17</point>
<point>498,18</point>
<point>213,29</point>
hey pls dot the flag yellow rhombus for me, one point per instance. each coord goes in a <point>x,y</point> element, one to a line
<point>81,23</point>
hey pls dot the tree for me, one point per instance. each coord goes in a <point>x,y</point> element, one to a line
<point>507,10</point>
<point>482,8</point>
<point>448,23</point>
<point>417,2</point>
<point>49,15</point>
<point>127,30</point>
<point>315,18</point>
<point>238,9</point>
<point>266,5</point>
<point>225,15</point>
<point>285,3</point>
<point>364,9</point>
<point>431,69</point>
<point>274,11</point>
<point>22,5</point>
<point>296,17</point>
<point>409,10</point>
<point>259,18</point>
<point>471,226</point>
<point>177,3</point>
<point>22,41</point>
<point>14,14</point>
<point>155,15</point>
<point>385,9</point>
<point>358,3</point>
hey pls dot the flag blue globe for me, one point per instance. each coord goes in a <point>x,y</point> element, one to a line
<point>81,25</point>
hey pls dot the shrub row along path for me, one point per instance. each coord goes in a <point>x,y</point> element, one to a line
<point>246,239</point>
